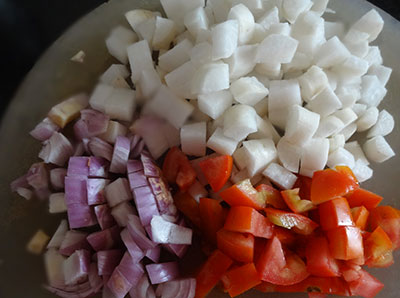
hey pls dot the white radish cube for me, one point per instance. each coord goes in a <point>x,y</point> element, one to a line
<point>348,94</point>
<point>57,203</point>
<point>221,143</point>
<point>259,34</point>
<point>241,62</point>
<point>139,58</point>
<point>215,104</point>
<point>374,56</point>
<point>362,172</point>
<point>349,131</point>
<point>351,67</point>
<point>289,155</point>
<point>293,8</point>
<point>197,191</point>
<point>210,15</point>
<point>238,176</point>
<point>201,53</point>
<point>329,126</point>
<point>203,36</point>
<point>314,157</point>
<point>271,71</point>
<point>383,126</point>
<point>245,19</point>
<point>368,119</point>
<point>177,9</point>
<point>121,105</point>
<point>255,6</point>
<point>312,82</point>
<point>346,115</point>
<point>248,90</point>
<point>356,42</point>
<point>224,39</point>
<point>100,96</point>
<point>164,33</point>
<point>146,30</point>
<point>209,78</point>
<point>167,105</point>
<point>372,91</point>
<point>239,158</point>
<point>382,72</point>
<point>319,6</point>
<point>117,42</point>
<point>197,115</point>
<point>334,29</point>
<point>114,72</point>
<point>258,154</point>
<point>220,9</point>
<point>280,29</point>
<point>269,17</point>
<point>355,149</point>
<point>138,16</point>
<point>340,157</point>
<point>114,129</point>
<point>300,62</point>
<point>377,149</point>
<point>325,103</point>
<point>179,38</point>
<point>301,125</point>
<point>280,176</point>
<point>213,125</point>
<point>262,107</point>
<point>179,80</point>
<point>277,48</point>
<point>196,20</point>
<point>336,142</point>
<point>265,130</point>
<point>333,79</point>
<point>371,23</point>
<point>193,139</point>
<point>149,82</point>
<point>176,56</point>
<point>172,135</point>
<point>359,109</point>
<point>239,122</point>
<point>330,53</point>
<point>309,28</point>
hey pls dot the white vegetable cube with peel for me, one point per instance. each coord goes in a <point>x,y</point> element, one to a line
<point>289,155</point>
<point>361,171</point>
<point>334,29</point>
<point>293,8</point>
<point>138,16</point>
<point>196,20</point>
<point>329,126</point>
<point>114,72</point>
<point>239,158</point>
<point>377,149</point>
<point>203,36</point>
<point>336,141</point>
<point>57,203</point>
<point>314,157</point>
<point>255,6</point>
<point>277,48</point>
<point>265,130</point>
<point>325,103</point>
<point>356,42</point>
<point>374,56</point>
<point>117,42</point>
<point>346,115</point>
<point>139,58</point>
<point>100,96</point>
<point>368,119</point>
<point>372,91</point>
<point>258,154</point>
<point>176,56</point>
<point>246,22</point>
<point>241,62</point>
<point>341,157</point>
<point>299,63</point>
<point>331,53</point>
<point>210,78</point>
<point>271,70</point>
<point>351,67</point>
<point>349,131</point>
<point>164,33</point>
<point>248,90</point>
<point>121,104</point>
<point>177,9</point>
<point>269,17</point>
<point>370,23</point>
<point>149,82</point>
<point>146,30</point>
<point>201,53</point>
<point>215,104</point>
<point>382,72</point>
<point>179,80</point>
<point>239,121</point>
<point>383,126</point>
<point>301,125</point>
<point>221,143</point>
<point>224,39</point>
<point>193,138</point>
<point>355,149</point>
<point>348,94</point>
<point>280,176</point>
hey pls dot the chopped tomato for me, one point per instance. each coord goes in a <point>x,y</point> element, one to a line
<point>245,219</point>
<point>347,171</point>
<point>299,223</point>
<point>238,246</point>
<point>304,183</point>
<point>345,243</point>
<point>217,170</point>
<point>316,295</point>
<point>335,213</point>
<point>211,272</point>
<point>266,287</point>
<point>285,236</point>
<point>378,249</point>
<point>360,216</point>
<point>280,269</point>
<point>329,184</point>
<point>238,280</point>
<point>388,218</point>
<point>177,169</point>
<point>350,271</point>
<point>243,194</point>
<point>362,197</point>
<point>366,286</point>
<point>294,202</point>
<point>272,196</point>
<point>320,262</point>
<point>212,216</point>
<point>189,207</point>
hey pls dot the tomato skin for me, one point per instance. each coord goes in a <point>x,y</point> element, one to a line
<point>285,236</point>
<point>189,207</point>
<point>243,194</point>
<point>238,280</point>
<point>360,217</point>
<point>362,197</point>
<point>319,259</point>
<point>304,183</point>
<point>299,223</point>
<point>335,213</point>
<point>272,196</point>
<point>295,203</point>
<point>388,218</point>
<point>217,170</point>
<point>177,169</point>
<point>212,216</point>
<point>345,243</point>
<point>366,286</point>
<point>238,246</point>
<point>378,249</point>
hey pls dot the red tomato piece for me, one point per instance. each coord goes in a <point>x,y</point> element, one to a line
<point>294,202</point>
<point>299,223</point>
<point>217,170</point>
<point>212,216</point>
<point>245,219</point>
<point>347,171</point>
<point>388,218</point>
<point>177,169</point>
<point>238,246</point>
<point>362,197</point>
<point>304,183</point>
<point>335,213</point>
<point>280,269</point>
<point>329,184</point>
<point>319,259</point>
<point>238,280</point>
<point>366,286</point>
<point>211,272</point>
<point>316,295</point>
<point>378,249</point>
<point>285,236</point>
<point>350,272</point>
<point>243,194</point>
<point>272,196</point>
<point>345,243</point>
<point>360,216</point>
<point>189,207</point>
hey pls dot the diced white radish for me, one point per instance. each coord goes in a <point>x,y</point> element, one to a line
<point>289,155</point>
<point>238,176</point>
<point>371,23</point>
<point>383,126</point>
<point>197,115</point>
<point>349,131</point>
<point>149,82</point>
<point>179,38</point>
<point>277,48</point>
<point>248,90</point>
<point>241,62</point>
<point>355,149</point>
<point>334,29</point>
<point>196,20</point>
<point>314,157</point>
<point>213,125</point>
<point>197,191</point>
<point>301,125</point>
<point>265,130</point>
<point>211,77</point>
<point>255,6</point>
<point>319,6</point>
<point>167,105</point>
<point>203,36</point>
<point>356,42</point>
<point>114,72</point>
<point>210,15</point>
<point>333,79</point>
<point>117,42</point>
<point>176,56</point>
<point>221,143</point>
<point>245,20</point>
<point>215,104</point>
<point>377,149</point>
<point>309,31</point>
<point>138,16</point>
<point>336,142</point>
<point>259,34</point>
<point>269,17</point>
<point>272,70</point>
<point>179,80</point>
<point>283,178</point>
<point>293,8</point>
<point>263,79</point>
<point>329,126</point>
<point>361,171</point>
<point>368,119</point>
<point>382,72</point>
<point>139,58</point>
<point>224,39</point>
<point>351,67</point>
<point>347,116</point>
<point>325,103</point>
<point>146,30</point>
<point>300,62</point>
<point>239,158</point>
<point>359,109</point>
<point>348,94</point>
<point>262,107</point>
<point>193,139</point>
<point>201,53</point>
<point>258,154</point>
<point>122,106</point>
<point>372,91</point>
<point>164,33</point>
<point>177,9</point>
<point>340,157</point>
<point>280,29</point>
<point>220,9</point>
<point>239,122</point>
<point>312,82</point>
<point>374,56</point>
<point>114,129</point>
<point>330,53</point>
<point>99,97</point>
<point>57,203</point>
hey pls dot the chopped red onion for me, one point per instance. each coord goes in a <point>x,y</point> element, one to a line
<point>137,179</point>
<point>38,176</point>
<point>57,177</point>
<point>177,288</point>
<point>76,190</point>
<point>100,148</point>
<point>78,166</point>
<point>76,267</point>
<point>72,241</point>
<point>120,155</point>
<point>177,249</point>
<point>164,200</point>
<point>121,213</point>
<point>53,263</point>
<point>135,153</point>
<point>153,253</point>
<point>85,143</point>
<point>134,250</point>
<point>42,194</point>
<point>135,139</point>
<point>82,291</point>
<point>80,216</point>
<point>25,193</point>
<point>98,167</point>
<point>163,272</point>
<point>118,191</point>
<point>169,233</point>
<point>44,130</point>
<point>59,235</point>
<point>56,150</point>
<point>149,167</point>
<point>91,124</point>
<point>143,289</point>
<point>145,204</point>
<point>80,130</point>
<point>114,130</point>
<point>19,182</point>
<point>79,149</point>
<point>105,239</point>
<point>95,190</point>
<point>96,282</point>
<point>107,260</point>
<point>134,166</point>
<point>138,234</point>
<point>104,217</point>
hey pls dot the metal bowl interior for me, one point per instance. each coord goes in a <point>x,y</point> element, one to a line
<point>55,77</point>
